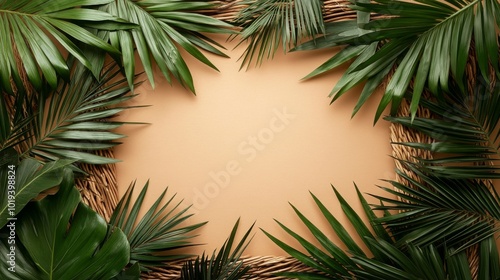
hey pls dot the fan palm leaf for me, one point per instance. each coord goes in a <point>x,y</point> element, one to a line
<point>465,134</point>
<point>154,237</point>
<point>267,25</point>
<point>164,28</point>
<point>432,42</point>
<point>30,30</point>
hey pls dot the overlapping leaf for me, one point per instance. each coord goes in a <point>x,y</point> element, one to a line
<point>225,265</point>
<point>401,245</point>
<point>267,25</point>
<point>154,237</point>
<point>164,27</point>
<point>30,30</point>
<point>59,237</point>
<point>437,210</point>
<point>464,129</point>
<point>72,122</point>
<point>428,42</point>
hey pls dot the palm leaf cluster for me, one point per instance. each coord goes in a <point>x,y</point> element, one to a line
<point>156,30</point>
<point>428,41</point>
<point>71,122</point>
<point>464,130</point>
<point>154,237</point>
<point>267,25</point>
<point>163,28</point>
<point>224,265</point>
<point>436,220</point>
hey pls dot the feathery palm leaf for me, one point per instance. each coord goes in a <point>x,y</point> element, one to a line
<point>428,40</point>
<point>223,266</point>
<point>269,24</point>
<point>30,28</point>
<point>329,260</point>
<point>157,233</point>
<point>69,123</point>
<point>457,213</point>
<point>465,133</point>
<point>164,26</point>
<point>389,260</point>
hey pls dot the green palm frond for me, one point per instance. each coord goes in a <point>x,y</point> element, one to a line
<point>74,120</point>
<point>154,237</point>
<point>465,134</point>
<point>225,265</point>
<point>457,213</point>
<point>428,41</point>
<point>30,28</point>
<point>267,25</point>
<point>329,260</point>
<point>393,256</point>
<point>164,27</point>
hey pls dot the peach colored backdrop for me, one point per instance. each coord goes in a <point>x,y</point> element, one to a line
<point>252,141</point>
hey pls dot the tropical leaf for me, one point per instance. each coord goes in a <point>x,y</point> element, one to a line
<point>269,24</point>
<point>329,260</point>
<point>464,130</point>
<point>392,254</point>
<point>225,265</point>
<point>73,121</point>
<point>30,29</point>
<point>437,210</point>
<point>164,27</point>
<point>24,182</point>
<point>59,237</point>
<point>154,237</point>
<point>428,42</point>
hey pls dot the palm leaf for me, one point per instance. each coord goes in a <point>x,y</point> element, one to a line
<point>29,29</point>
<point>457,213</point>
<point>434,40</point>
<point>464,129</point>
<point>154,237</point>
<point>269,24</point>
<point>59,237</point>
<point>164,28</point>
<point>329,260</point>
<point>73,121</point>
<point>392,254</point>
<point>226,264</point>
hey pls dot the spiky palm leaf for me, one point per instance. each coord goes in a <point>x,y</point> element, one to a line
<point>269,24</point>
<point>387,258</point>
<point>72,121</point>
<point>225,265</point>
<point>154,237</point>
<point>464,129</point>
<point>164,26</point>
<point>428,41</point>
<point>30,28</point>
<point>457,213</point>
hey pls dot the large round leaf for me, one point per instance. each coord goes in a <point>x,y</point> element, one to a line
<point>59,237</point>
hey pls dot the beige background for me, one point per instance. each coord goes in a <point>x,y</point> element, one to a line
<point>202,146</point>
